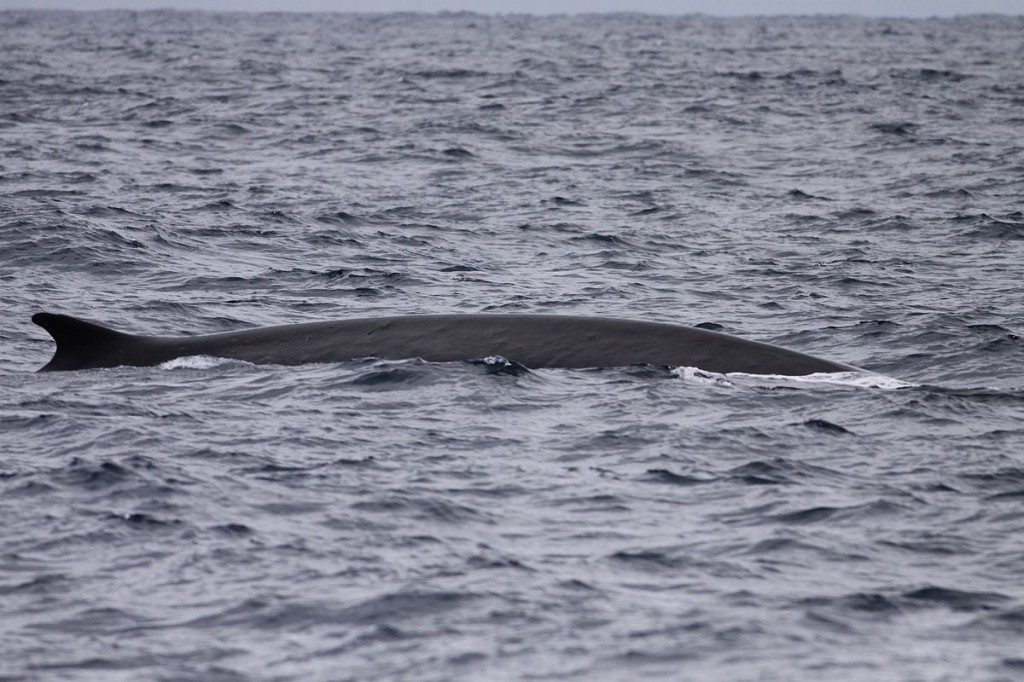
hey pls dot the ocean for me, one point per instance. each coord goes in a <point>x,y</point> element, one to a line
<point>851,188</point>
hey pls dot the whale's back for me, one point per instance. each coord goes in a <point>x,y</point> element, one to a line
<point>536,341</point>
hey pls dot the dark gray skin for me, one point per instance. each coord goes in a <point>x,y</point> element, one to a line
<point>534,341</point>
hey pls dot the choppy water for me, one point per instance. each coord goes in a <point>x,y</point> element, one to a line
<point>850,188</point>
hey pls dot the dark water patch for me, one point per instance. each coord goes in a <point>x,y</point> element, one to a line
<point>264,614</point>
<point>287,508</point>
<point>750,76</point>
<point>760,473</point>
<point>198,663</point>
<point>872,604</point>
<point>95,620</point>
<point>779,472</point>
<point>109,212</point>
<point>406,605</point>
<point>363,280</point>
<point>981,396</point>
<point>564,201</point>
<point>621,439</point>
<point>32,421</point>
<point>227,130</point>
<point>929,75</point>
<point>1007,495</point>
<point>234,530</point>
<point>811,515</point>
<point>826,426</point>
<point>489,562</point>
<point>178,188</point>
<point>96,251</point>
<point>897,222</point>
<point>333,238</point>
<point>458,153</point>
<point>47,584</point>
<point>877,328</point>
<point>897,128</point>
<point>219,206</point>
<point>203,172</point>
<point>987,329</point>
<point>670,478</point>
<point>800,195</point>
<point>73,405</point>
<point>827,77</point>
<point>857,282</point>
<point>341,218</point>
<point>629,266</point>
<point>93,476</point>
<point>957,600</point>
<point>360,275</point>
<point>593,503</point>
<point>424,508</point>
<point>130,480</point>
<point>932,544</point>
<point>856,213</point>
<point>649,560</point>
<point>832,514</point>
<point>1009,226</point>
<point>276,217</point>
<point>157,123</point>
<point>603,238</point>
<point>716,177</point>
<point>451,73</point>
<point>1004,343</point>
<point>392,378</point>
<point>144,521</point>
<point>383,633</point>
<point>223,284</point>
<point>1010,621</point>
<point>29,489</point>
<point>958,193</point>
<point>784,549</point>
<point>804,220</point>
<point>669,656</point>
<point>368,462</point>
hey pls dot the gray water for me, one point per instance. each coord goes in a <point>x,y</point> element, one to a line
<point>845,187</point>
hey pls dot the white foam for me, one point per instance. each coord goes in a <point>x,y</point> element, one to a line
<point>195,362</point>
<point>862,379</point>
<point>700,376</point>
<point>858,379</point>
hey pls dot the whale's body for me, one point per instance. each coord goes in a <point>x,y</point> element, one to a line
<point>535,341</point>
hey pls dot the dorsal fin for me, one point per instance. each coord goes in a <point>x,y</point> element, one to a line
<point>80,344</point>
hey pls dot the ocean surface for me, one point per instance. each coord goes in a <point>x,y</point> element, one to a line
<point>846,187</point>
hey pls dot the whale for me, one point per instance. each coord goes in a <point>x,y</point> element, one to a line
<point>535,341</point>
